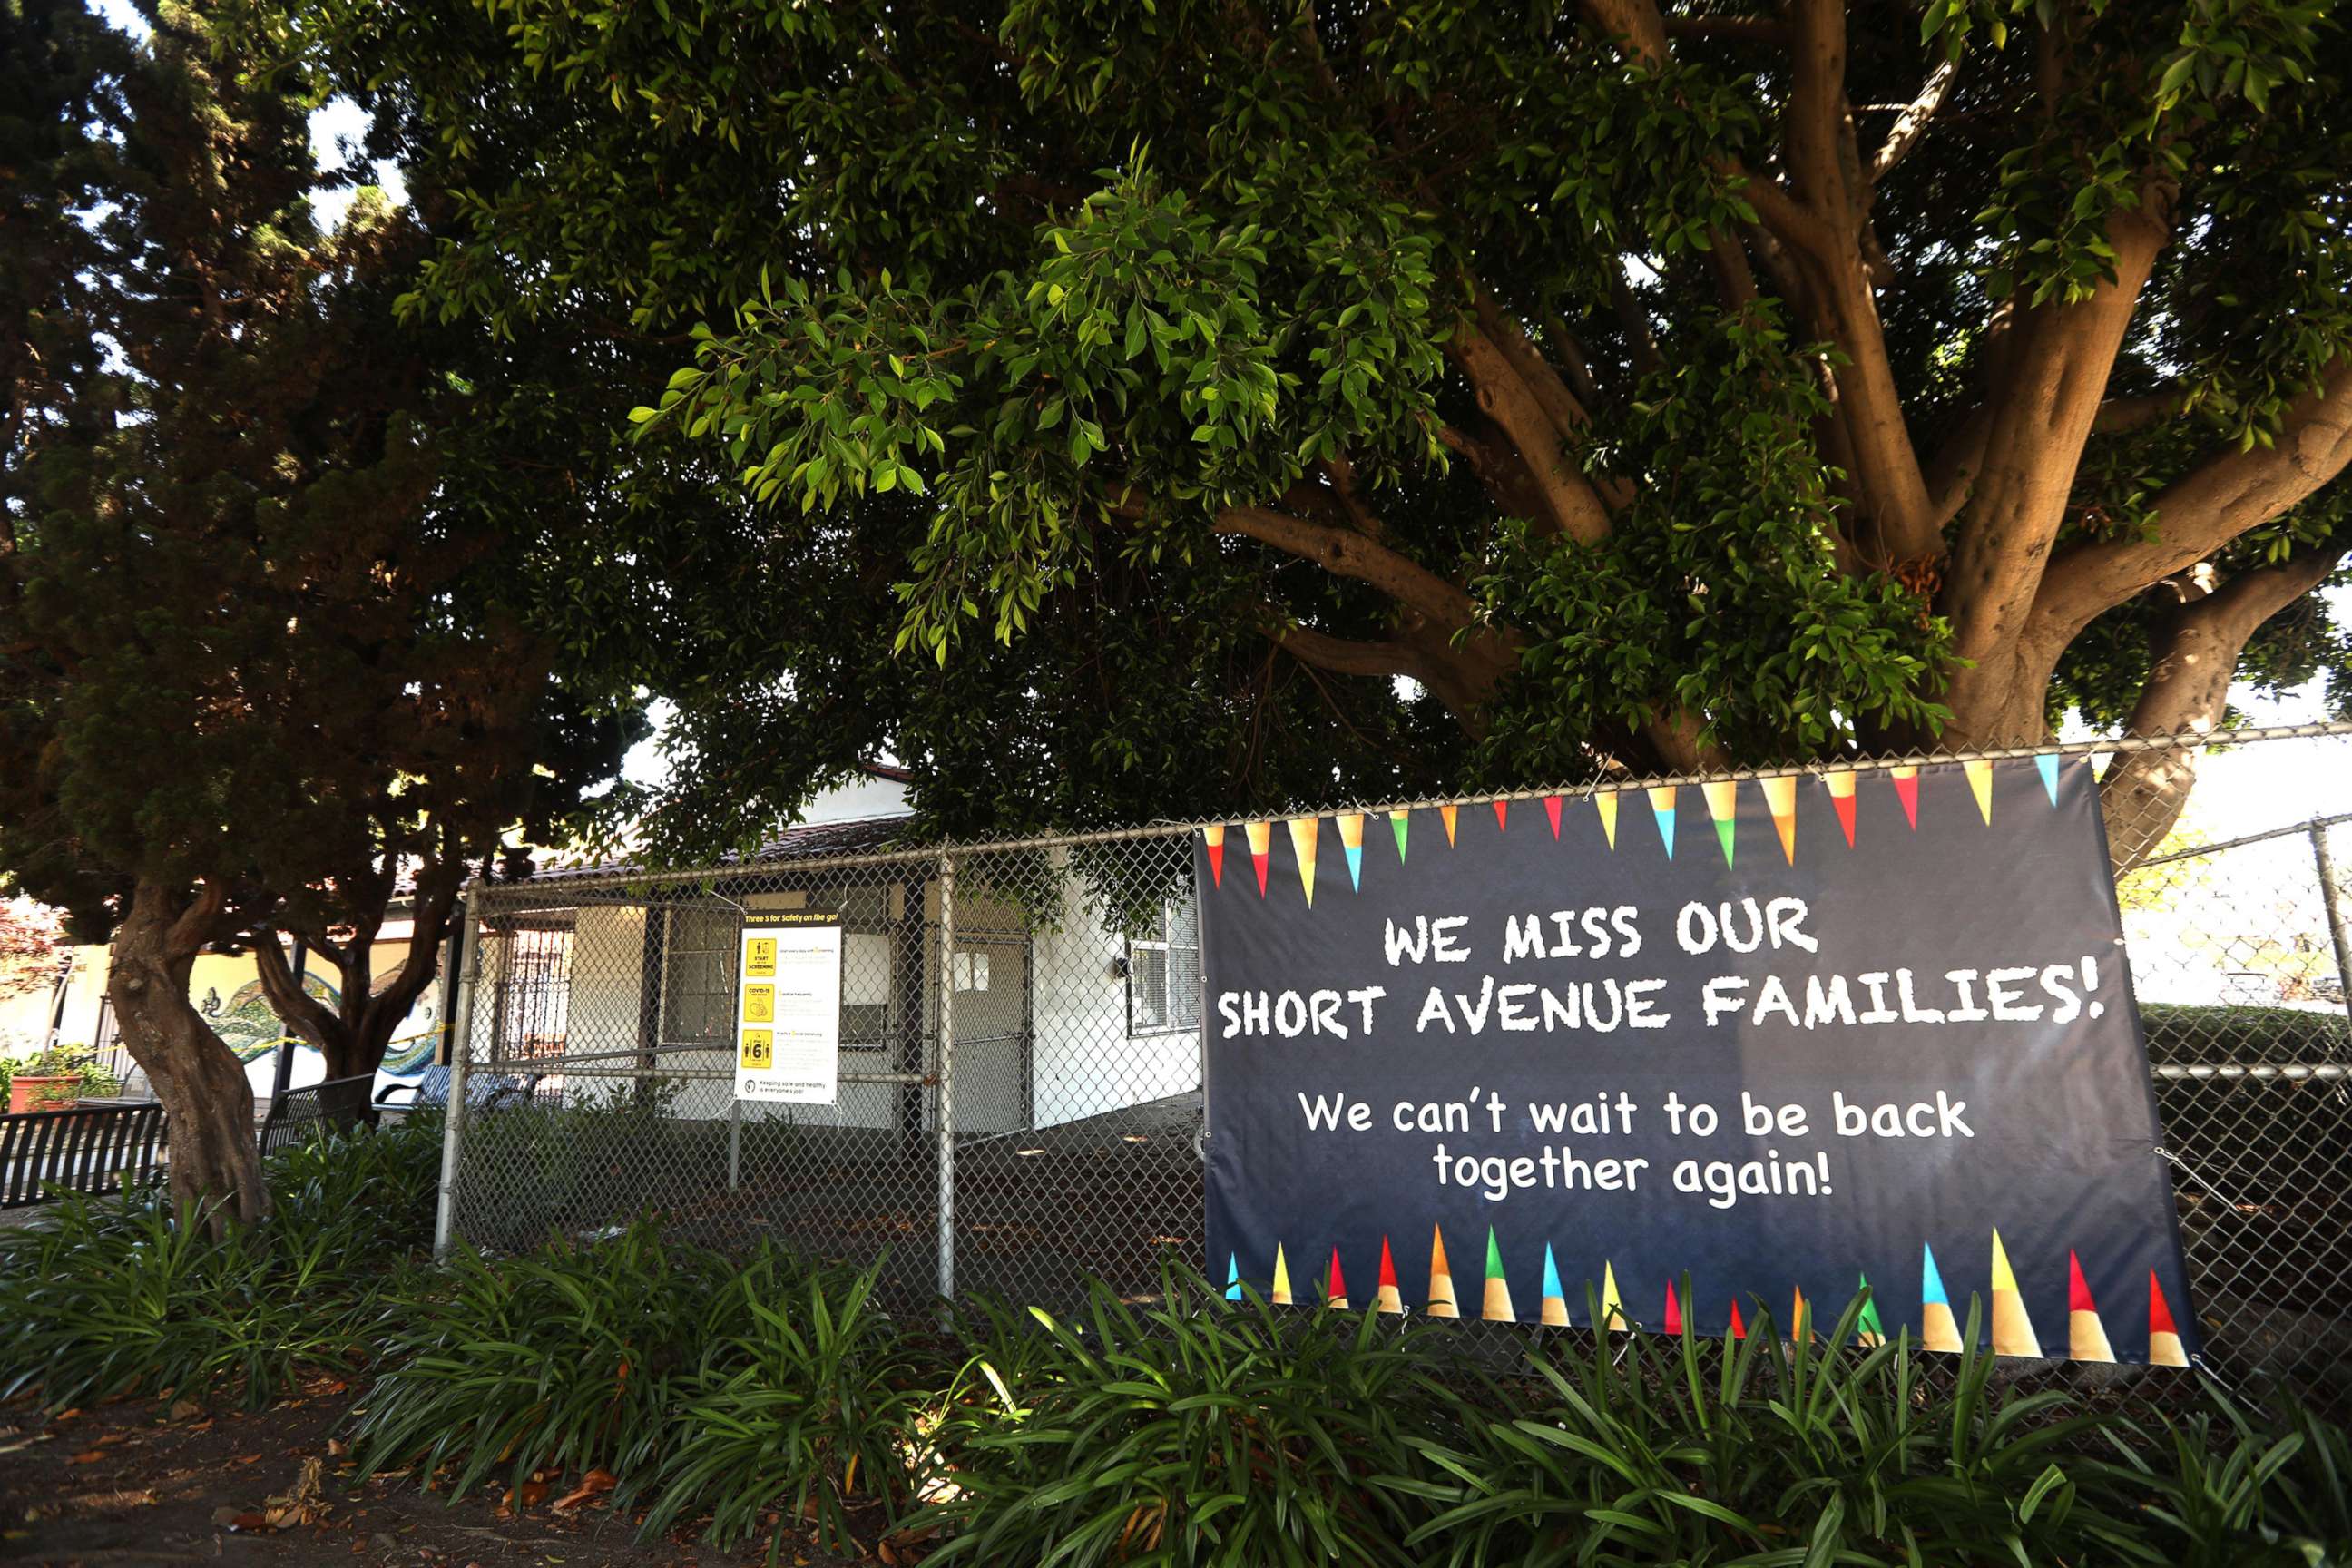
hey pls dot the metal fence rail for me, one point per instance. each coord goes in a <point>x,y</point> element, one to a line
<point>1020,1099</point>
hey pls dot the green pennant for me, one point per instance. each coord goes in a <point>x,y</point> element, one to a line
<point>1399,821</point>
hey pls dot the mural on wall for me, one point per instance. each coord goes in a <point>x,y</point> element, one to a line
<point>248,1025</point>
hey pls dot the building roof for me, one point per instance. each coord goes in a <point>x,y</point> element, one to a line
<point>813,841</point>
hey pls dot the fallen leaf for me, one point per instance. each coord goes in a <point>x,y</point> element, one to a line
<point>247,1523</point>
<point>592,1485</point>
<point>182,1410</point>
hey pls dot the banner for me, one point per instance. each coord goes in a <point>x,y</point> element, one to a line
<point>1786,1038</point>
<point>788,1008</point>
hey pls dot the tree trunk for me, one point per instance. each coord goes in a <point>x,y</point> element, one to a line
<point>215,1166</point>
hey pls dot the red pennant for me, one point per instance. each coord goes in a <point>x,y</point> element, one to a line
<point>2078,1289</point>
<point>1216,862</point>
<point>1339,1290</point>
<point>1674,1310</point>
<point>1738,1329</point>
<point>1502,815</point>
<point>1387,1265</point>
<point>1907,790</point>
<point>2159,1310</point>
<point>1844,804</point>
<point>1551,809</point>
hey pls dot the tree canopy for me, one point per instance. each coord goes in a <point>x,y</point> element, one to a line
<point>1102,406</point>
<point>265,664</point>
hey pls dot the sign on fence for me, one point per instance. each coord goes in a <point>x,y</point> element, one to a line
<point>1698,1049</point>
<point>788,1008</point>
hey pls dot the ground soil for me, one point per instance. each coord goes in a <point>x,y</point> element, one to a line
<point>151,1481</point>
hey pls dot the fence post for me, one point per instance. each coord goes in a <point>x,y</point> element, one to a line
<point>2332,900</point>
<point>946,1104</point>
<point>461,1051</point>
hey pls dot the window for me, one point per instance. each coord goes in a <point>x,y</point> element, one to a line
<point>1163,973</point>
<point>698,978</point>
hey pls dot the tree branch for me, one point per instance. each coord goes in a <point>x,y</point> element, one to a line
<point>1342,656</point>
<point>1347,553</point>
<point>2219,499</point>
<point>1570,504</point>
<point>2196,655</point>
<point>1912,124</point>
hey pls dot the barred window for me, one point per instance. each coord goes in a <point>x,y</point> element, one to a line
<point>699,976</point>
<point>1163,973</point>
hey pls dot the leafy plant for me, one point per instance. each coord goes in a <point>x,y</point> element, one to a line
<point>816,1397</point>
<point>565,1358</point>
<point>116,1296</point>
<point>1643,1449</point>
<point>1193,1430</point>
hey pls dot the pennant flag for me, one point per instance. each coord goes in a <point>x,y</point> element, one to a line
<point>1303,833</point>
<point>1281,1296</point>
<point>1606,805</point>
<point>1215,836</point>
<point>1441,1277</point>
<point>1938,1330</point>
<point>2087,1337</point>
<point>1399,821</point>
<point>2012,1330</point>
<point>1781,800</point>
<point>1351,840</point>
<point>1551,810</point>
<point>1980,781</point>
<point>1446,814</point>
<point>1261,839</point>
<point>1232,1277</point>
<point>2164,1347</point>
<point>1869,1329</point>
<point>1723,807</point>
<point>1738,1329</point>
<point>1842,798</point>
<point>2049,766</point>
<point>1388,1298</point>
<point>1497,1307</point>
<point>1337,1292</point>
<point>1612,1309</point>
<point>1555,1302</point>
<point>1799,1315</point>
<point>1661,805</point>
<point>1907,789</point>
<point>1674,1324</point>
<point>1503,816</point>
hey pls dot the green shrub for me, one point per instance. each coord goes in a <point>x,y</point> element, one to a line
<point>2218,1490</point>
<point>1195,1430</point>
<point>2210,1036</point>
<point>812,1397</point>
<point>565,1358</point>
<point>1644,1449</point>
<point>112,1295</point>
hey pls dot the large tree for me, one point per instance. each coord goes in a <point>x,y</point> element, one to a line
<point>263,662</point>
<point>1647,385</point>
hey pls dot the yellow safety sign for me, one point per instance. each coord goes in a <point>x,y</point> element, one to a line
<point>760,955</point>
<point>758,1049</point>
<point>759,1003</point>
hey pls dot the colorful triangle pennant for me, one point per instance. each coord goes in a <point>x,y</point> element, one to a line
<point>1723,808</point>
<point>1304,831</point>
<point>1781,800</point>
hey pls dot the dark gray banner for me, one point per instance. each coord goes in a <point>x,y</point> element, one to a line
<point>1780,1036</point>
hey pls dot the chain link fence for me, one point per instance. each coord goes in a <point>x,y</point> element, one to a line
<point>1020,1105</point>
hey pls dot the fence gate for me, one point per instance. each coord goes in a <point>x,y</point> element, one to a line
<point>1019,1102</point>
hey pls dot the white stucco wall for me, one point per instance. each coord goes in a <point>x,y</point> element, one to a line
<point>1087,1061</point>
